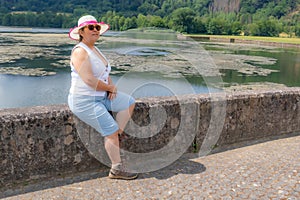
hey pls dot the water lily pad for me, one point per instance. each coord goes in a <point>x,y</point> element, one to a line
<point>25,71</point>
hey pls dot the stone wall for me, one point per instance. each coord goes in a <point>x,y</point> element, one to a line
<point>41,142</point>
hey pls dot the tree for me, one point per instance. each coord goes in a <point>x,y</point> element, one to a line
<point>157,21</point>
<point>121,23</point>
<point>78,12</point>
<point>199,26</point>
<point>236,28</point>
<point>58,21</point>
<point>6,21</point>
<point>246,18</point>
<point>130,23</point>
<point>217,26</point>
<point>182,19</point>
<point>201,7</point>
<point>265,28</point>
<point>297,30</point>
<point>142,21</point>
<point>30,19</point>
<point>147,8</point>
<point>170,6</point>
<point>252,29</point>
<point>267,17</point>
<point>115,23</point>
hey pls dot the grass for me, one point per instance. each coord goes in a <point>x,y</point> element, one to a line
<point>255,38</point>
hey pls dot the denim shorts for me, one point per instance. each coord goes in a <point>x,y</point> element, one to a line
<point>94,110</point>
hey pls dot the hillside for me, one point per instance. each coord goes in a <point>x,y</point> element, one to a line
<point>190,16</point>
<point>226,6</point>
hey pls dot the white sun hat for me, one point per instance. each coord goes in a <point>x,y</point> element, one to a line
<point>86,20</point>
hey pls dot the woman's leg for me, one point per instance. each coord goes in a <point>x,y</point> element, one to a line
<point>112,144</point>
<point>112,148</point>
<point>123,117</point>
<point>117,171</point>
<point>123,105</point>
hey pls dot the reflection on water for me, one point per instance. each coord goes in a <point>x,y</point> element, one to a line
<point>23,91</point>
<point>154,84</point>
<point>288,65</point>
<point>32,91</point>
<point>144,51</point>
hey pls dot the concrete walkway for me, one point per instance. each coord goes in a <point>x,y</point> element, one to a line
<point>269,170</point>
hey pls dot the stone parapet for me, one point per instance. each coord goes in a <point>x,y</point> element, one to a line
<point>46,141</point>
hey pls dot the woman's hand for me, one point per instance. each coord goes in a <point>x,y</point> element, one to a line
<point>112,93</point>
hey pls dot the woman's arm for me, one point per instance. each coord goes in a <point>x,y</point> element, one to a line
<point>112,95</point>
<point>110,82</point>
<point>82,65</point>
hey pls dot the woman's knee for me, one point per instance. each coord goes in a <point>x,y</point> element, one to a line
<point>131,107</point>
<point>113,136</point>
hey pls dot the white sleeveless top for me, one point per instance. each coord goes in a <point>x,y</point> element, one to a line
<point>100,71</point>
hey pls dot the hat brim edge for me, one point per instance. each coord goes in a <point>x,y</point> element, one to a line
<point>73,33</point>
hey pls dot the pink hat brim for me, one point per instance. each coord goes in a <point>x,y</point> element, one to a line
<point>74,35</point>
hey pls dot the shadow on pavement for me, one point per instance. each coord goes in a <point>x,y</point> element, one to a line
<point>182,166</point>
<point>28,187</point>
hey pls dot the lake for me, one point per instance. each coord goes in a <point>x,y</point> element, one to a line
<point>34,65</point>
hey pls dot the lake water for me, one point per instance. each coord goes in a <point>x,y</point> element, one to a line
<point>23,91</point>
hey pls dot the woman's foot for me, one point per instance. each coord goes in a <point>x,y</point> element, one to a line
<point>118,172</point>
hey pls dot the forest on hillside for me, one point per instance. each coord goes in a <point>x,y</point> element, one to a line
<point>218,17</point>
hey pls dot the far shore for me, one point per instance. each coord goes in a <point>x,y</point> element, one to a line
<point>295,41</point>
<point>274,41</point>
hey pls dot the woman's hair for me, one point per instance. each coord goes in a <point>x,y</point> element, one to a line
<point>80,36</point>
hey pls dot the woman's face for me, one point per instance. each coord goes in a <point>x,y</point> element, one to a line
<point>91,32</point>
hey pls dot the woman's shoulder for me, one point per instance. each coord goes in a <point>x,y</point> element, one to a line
<point>79,49</point>
<point>81,46</point>
<point>79,52</point>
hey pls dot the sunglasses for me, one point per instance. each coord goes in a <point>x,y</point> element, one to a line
<point>91,27</point>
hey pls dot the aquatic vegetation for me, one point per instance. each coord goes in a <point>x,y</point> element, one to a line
<point>25,72</point>
<point>53,51</point>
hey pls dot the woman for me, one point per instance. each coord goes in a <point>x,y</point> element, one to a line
<point>92,94</point>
